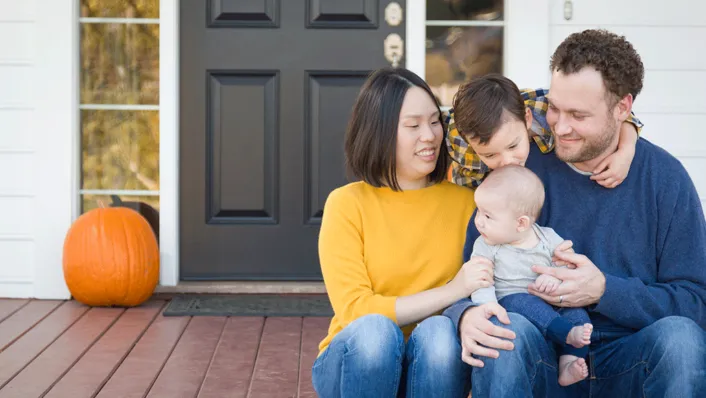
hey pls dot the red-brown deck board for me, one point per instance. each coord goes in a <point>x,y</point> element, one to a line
<point>65,349</point>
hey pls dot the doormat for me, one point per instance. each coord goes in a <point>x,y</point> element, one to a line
<point>250,305</point>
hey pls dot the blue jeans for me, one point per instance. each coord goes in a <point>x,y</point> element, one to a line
<point>369,358</point>
<point>665,359</point>
<point>554,322</point>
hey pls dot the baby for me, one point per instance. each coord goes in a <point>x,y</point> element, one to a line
<point>508,203</point>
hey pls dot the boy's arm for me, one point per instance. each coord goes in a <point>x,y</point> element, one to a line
<point>612,171</point>
<point>466,168</point>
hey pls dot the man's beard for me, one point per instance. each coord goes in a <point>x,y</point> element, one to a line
<point>592,148</point>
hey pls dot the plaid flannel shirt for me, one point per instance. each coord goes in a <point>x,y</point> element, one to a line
<point>466,167</point>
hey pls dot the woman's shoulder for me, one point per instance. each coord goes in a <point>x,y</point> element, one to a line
<point>450,189</point>
<point>346,194</point>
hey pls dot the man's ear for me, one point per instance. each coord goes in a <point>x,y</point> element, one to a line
<point>523,224</point>
<point>528,118</point>
<point>623,108</point>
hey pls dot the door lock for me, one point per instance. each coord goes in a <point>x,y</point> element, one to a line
<point>393,49</point>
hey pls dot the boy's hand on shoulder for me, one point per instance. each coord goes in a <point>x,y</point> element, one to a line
<point>612,171</point>
<point>546,283</point>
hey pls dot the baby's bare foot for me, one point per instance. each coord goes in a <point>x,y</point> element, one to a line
<point>580,336</point>
<point>571,370</point>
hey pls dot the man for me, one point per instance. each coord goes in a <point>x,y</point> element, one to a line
<point>641,273</point>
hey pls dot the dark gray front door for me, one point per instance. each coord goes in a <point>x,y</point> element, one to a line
<point>266,91</point>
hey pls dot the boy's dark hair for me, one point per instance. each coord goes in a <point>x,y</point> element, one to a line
<point>371,136</point>
<point>610,54</point>
<point>479,105</point>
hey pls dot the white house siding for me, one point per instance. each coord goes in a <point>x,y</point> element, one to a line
<point>17,154</point>
<point>36,146</point>
<point>670,36</point>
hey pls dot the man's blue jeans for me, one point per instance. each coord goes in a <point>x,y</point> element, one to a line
<point>369,358</point>
<point>665,359</point>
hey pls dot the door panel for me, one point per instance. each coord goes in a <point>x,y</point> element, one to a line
<point>266,91</point>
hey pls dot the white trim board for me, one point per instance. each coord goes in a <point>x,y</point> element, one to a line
<point>169,142</point>
<point>415,36</point>
<point>55,89</point>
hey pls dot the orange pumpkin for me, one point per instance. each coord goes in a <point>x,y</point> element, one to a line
<point>111,258</point>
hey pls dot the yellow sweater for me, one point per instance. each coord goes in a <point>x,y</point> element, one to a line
<point>376,244</point>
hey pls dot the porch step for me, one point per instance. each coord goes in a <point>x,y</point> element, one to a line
<point>230,287</point>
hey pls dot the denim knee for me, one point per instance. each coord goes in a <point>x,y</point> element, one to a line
<point>523,328</point>
<point>375,339</point>
<point>435,342</point>
<point>680,341</point>
<point>529,343</point>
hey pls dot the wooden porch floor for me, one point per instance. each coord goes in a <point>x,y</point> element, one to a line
<point>66,349</point>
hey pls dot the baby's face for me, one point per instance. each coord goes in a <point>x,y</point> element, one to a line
<point>495,219</point>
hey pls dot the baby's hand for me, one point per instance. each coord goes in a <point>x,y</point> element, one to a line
<point>546,283</point>
<point>614,169</point>
<point>565,246</point>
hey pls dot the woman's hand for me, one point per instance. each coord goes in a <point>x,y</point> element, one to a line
<point>479,336</point>
<point>476,273</point>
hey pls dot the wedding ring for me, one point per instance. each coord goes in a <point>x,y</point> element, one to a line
<point>561,299</point>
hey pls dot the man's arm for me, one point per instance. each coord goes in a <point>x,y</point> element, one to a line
<point>680,288</point>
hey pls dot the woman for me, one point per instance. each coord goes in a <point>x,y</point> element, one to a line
<point>390,249</point>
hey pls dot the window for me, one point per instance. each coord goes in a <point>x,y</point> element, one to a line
<point>119,103</point>
<point>464,39</point>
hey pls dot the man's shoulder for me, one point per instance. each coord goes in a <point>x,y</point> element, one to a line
<point>658,162</point>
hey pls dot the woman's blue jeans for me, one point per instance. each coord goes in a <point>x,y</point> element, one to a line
<point>369,358</point>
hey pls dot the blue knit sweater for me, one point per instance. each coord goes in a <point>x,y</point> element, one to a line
<point>648,236</point>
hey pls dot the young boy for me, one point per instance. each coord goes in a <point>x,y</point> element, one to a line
<point>509,202</point>
<point>478,107</point>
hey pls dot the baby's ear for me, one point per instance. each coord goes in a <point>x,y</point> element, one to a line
<point>523,224</point>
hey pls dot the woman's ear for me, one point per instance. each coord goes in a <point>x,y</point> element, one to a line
<point>523,224</point>
<point>528,118</point>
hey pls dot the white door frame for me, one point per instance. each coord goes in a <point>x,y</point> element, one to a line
<point>169,142</point>
<point>526,62</point>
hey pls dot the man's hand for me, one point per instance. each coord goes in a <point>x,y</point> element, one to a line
<point>479,336</point>
<point>546,283</point>
<point>580,287</point>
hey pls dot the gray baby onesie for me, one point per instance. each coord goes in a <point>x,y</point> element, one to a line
<point>513,271</point>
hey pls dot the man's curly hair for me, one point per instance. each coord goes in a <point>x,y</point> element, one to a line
<point>610,54</point>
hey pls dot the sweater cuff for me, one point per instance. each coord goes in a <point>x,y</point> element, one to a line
<point>388,307</point>
<point>614,296</point>
<point>456,311</point>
